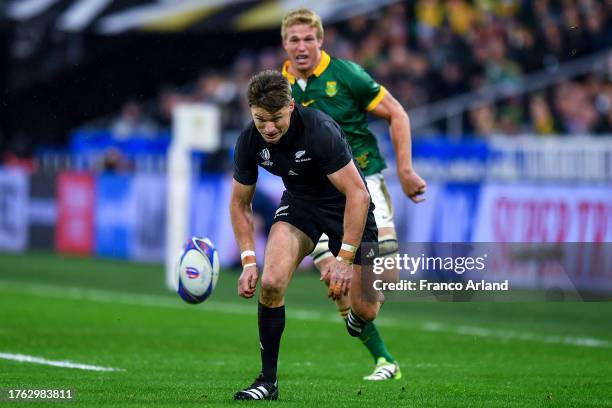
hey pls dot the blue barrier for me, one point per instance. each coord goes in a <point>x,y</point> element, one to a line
<point>114,217</point>
<point>91,141</point>
<point>88,141</point>
<point>443,149</point>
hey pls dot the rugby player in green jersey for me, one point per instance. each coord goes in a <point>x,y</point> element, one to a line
<point>343,90</point>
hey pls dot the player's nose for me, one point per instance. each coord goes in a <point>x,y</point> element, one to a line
<point>269,128</point>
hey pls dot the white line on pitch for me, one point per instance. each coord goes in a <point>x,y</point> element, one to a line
<point>22,358</point>
<point>513,335</point>
<point>96,295</point>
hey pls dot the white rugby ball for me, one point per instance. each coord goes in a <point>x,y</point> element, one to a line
<point>198,270</point>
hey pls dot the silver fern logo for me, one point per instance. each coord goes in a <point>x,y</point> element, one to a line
<point>299,156</point>
<point>281,211</point>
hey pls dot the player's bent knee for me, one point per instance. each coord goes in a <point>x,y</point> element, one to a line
<point>367,311</point>
<point>272,291</point>
<point>271,285</point>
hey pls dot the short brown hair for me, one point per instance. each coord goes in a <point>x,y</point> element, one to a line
<point>269,90</point>
<point>302,16</point>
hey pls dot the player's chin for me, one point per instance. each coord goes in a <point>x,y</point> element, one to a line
<point>305,67</point>
<point>272,139</point>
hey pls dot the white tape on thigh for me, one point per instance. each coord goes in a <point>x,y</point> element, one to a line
<point>387,245</point>
<point>383,213</point>
<point>321,250</point>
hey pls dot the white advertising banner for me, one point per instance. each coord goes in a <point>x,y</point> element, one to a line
<point>578,219</point>
<point>540,213</point>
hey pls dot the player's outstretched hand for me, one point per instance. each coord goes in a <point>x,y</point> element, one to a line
<point>247,283</point>
<point>413,185</point>
<point>340,275</point>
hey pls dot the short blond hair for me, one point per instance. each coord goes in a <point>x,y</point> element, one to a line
<point>302,16</point>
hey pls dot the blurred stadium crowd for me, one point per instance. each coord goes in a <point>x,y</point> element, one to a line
<point>510,103</point>
<point>429,50</point>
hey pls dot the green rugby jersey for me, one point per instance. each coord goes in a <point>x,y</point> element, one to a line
<point>344,91</point>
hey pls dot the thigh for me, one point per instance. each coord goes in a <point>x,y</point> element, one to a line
<point>386,233</point>
<point>285,249</point>
<point>383,213</point>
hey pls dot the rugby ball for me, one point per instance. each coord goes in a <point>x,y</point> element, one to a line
<point>198,270</point>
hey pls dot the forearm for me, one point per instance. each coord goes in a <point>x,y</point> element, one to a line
<point>399,127</point>
<point>355,215</point>
<point>241,215</point>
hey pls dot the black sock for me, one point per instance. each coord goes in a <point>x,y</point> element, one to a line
<point>354,324</point>
<point>271,325</point>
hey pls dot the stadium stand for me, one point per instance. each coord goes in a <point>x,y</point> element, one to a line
<point>428,51</point>
<point>462,69</point>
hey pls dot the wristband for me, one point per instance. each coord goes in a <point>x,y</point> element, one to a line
<point>249,264</point>
<point>247,258</point>
<point>344,260</point>
<point>246,253</point>
<point>349,248</point>
<point>348,255</point>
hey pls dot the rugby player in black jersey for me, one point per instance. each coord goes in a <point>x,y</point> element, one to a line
<point>325,193</point>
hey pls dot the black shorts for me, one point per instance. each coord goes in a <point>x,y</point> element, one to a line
<point>315,218</point>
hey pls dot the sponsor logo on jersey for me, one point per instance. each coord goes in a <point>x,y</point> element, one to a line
<point>280,212</point>
<point>292,173</point>
<point>299,156</point>
<point>331,88</point>
<point>307,103</point>
<point>192,273</point>
<point>363,160</point>
<point>265,155</point>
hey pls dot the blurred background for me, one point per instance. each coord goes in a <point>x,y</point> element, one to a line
<point>510,103</point>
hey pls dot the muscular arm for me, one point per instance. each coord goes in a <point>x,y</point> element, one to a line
<point>241,214</point>
<point>349,182</point>
<point>390,110</point>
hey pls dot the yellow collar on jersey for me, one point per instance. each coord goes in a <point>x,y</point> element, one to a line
<point>323,64</point>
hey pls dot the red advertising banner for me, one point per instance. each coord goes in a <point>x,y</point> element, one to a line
<point>75,213</point>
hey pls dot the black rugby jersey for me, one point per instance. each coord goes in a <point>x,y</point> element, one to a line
<point>312,148</point>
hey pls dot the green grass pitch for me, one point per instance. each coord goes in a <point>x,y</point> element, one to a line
<point>117,314</point>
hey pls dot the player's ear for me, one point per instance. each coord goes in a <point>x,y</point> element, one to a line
<point>291,105</point>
